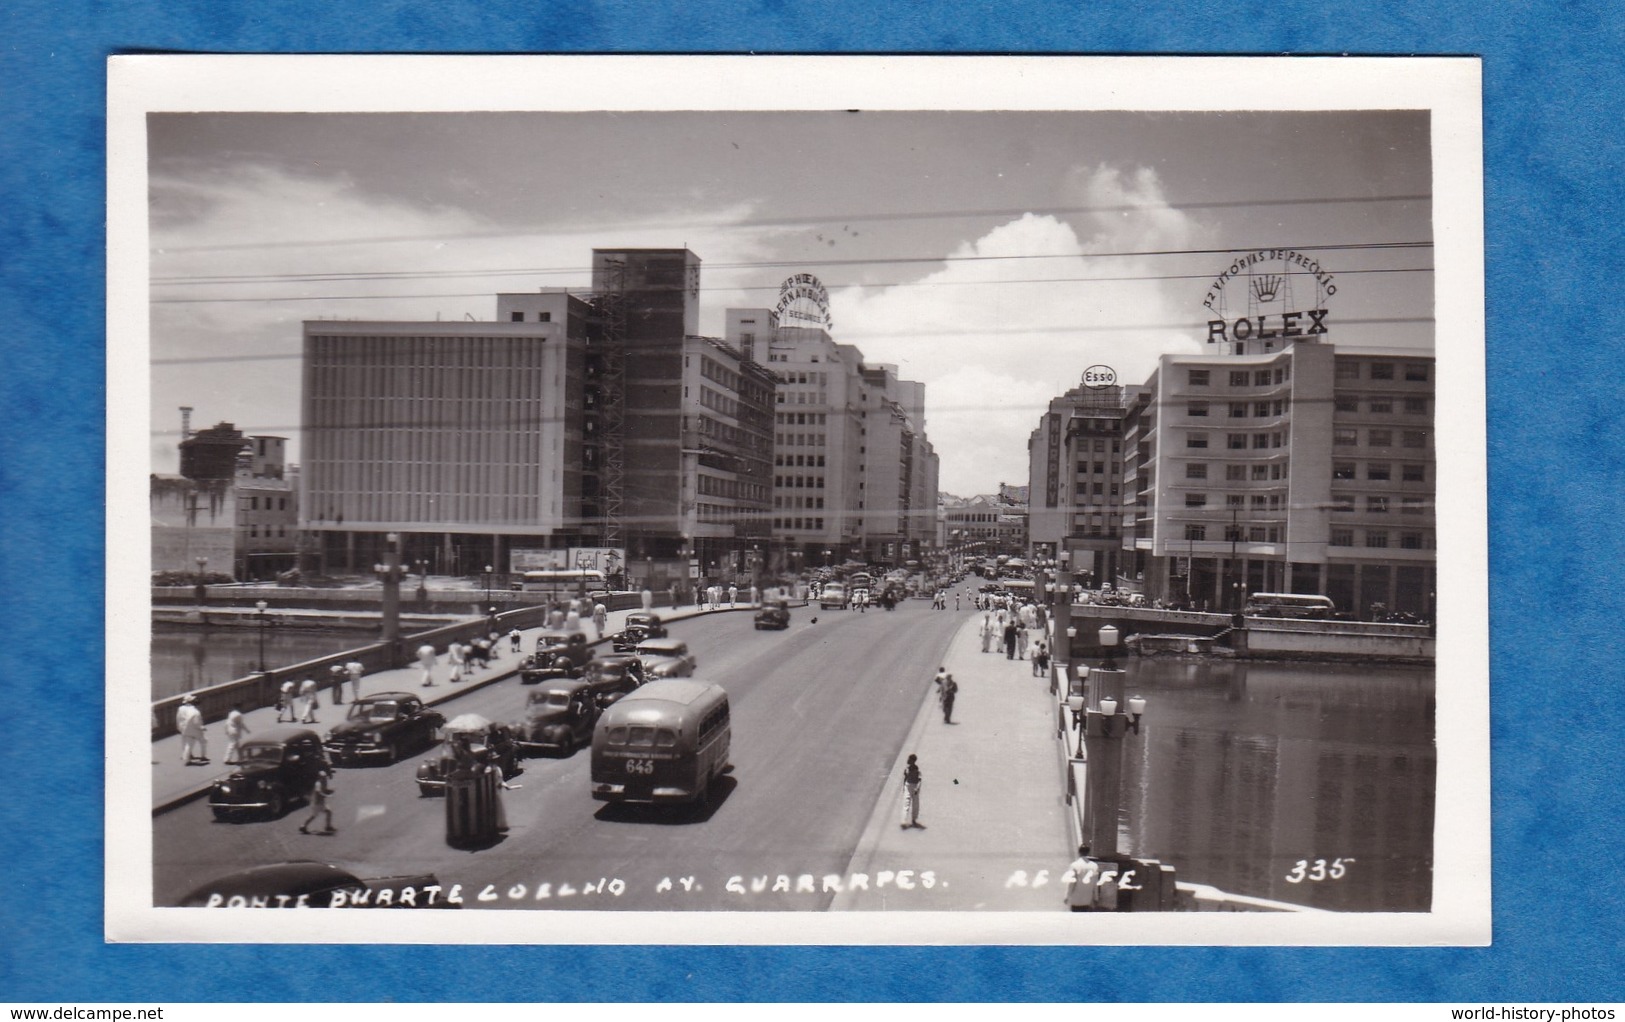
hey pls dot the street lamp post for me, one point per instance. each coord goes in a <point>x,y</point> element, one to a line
<point>488,571</point>
<point>1063,621</point>
<point>1103,740</point>
<point>260,606</point>
<point>199,591</point>
<point>389,572</point>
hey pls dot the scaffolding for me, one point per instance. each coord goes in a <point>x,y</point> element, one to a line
<point>611,303</point>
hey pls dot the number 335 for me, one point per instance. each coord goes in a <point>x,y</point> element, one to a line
<point>1318,870</point>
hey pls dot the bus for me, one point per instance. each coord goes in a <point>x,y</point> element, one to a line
<point>860,580</point>
<point>663,743</point>
<point>1289,605</point>
<point>561,582</point>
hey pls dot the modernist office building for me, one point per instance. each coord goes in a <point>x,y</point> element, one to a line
<point>569,420</point>
<point>854,475</point>
<point>1304,469</point>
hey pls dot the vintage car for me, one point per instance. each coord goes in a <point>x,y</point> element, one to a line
<point>559,716</point>
<point>774,615</point>
<point>470,738</point>
<point>613,676</point>
<point>307,884</point>
<point>665,658</point>
<point>558,655</point>
<point>640,625</point>
<point>384,727</point>
<point>275,769</point>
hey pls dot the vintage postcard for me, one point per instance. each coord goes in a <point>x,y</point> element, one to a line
<point>838,500</point>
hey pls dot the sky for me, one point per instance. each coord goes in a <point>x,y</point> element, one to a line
<point>992,256</point>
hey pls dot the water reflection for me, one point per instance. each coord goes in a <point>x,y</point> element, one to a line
<point>1245,770</point>
<point>190,658</point>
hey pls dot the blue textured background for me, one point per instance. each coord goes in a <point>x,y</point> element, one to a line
<point>1552,84</point>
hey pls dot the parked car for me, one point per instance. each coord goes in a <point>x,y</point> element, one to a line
<point>665,658</point>
<point>640,625</point>
<point>470,738</point>
<point>384,726</point>
<point>774,615</point>
<point>557,655</point>
<point>559,717</point>
<point>833,594</point>
<point>275,769</point>
<point>307,884</point>
<point>613,676</point>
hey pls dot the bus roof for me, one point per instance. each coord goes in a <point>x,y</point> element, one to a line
<point>670,690</point>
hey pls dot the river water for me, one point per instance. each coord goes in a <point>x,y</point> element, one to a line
<point>185,658</point>
<point>1306,783</point>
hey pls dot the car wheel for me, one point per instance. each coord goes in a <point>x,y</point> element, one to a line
<point>425,791</point>
<point>392,752</point>
<point>275,804</point>
<point>224,815</point>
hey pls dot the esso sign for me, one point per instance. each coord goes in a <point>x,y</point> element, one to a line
<point>1100,376</point>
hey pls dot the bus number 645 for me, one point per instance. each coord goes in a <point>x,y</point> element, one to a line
<point>640,766</point>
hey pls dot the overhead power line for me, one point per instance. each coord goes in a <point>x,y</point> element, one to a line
<point>833,218</point>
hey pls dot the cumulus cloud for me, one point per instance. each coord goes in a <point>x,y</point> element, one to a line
<point>1012,318</point>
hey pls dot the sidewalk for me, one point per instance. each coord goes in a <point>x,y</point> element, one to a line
<point>174,784</point>
<point>992,800</point>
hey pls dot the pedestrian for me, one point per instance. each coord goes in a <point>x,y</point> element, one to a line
<point>335,681</point>
<point>493,644</point>
<point>956,600</point>
<point>236,728</point>
<point>455,657</point>
<point>600,615</point>
<point>987,630</point>
<point>307,701</point>
<point>733,595</point>
<point>1081,878</point>
<point>1010,631</point>
<point>284,704</point>
<point>649,598</point>
<point>1040,658</point>
<point>911,793</point>
<point>319,795</point>
<point>950,688</point>
<point>942,675</point>
<point>515,639</point>
<point>426,662</point>
<point>189,723</point>
<point>354,670</point>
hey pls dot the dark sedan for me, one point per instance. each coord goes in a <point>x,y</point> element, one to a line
<point>558,655</point>
<point>640,625</point>
<point>559,716</point>
<point>774,615</point>
<point>613,676</point>
<point>275,769</point>
<point>384,727</point>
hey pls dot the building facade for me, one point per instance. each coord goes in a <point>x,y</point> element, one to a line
<point>1302,468</point>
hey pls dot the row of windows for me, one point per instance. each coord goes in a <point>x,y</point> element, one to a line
<point>799,502</point>
<point>1381,405</point>
<point>1241,377</point>
<point>1237,533</point>
<point>1413,372</point>
<point>736,489</point>
<point>798,460</point>
<point>1099,446</point>
<point>798,523</point>
<point>254,532</point>
<point>799,482</point>
<point>1379,505</point>
<point>805,378</point>
<point>1381,471</point>
<point>1241,409</point>
<point>1378,539</point>
<point>1084,490</point>
<point>799,439</point>
<point>1344,436</point>
<point>281,504</point>
<point>1097,467</point>
<point>799,418</point>
<point>801,397</point>
<point>1238,441</point>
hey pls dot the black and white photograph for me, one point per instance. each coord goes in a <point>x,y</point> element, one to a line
<point>853,500</point>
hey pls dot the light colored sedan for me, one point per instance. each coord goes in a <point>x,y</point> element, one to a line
<point>665,658</point>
